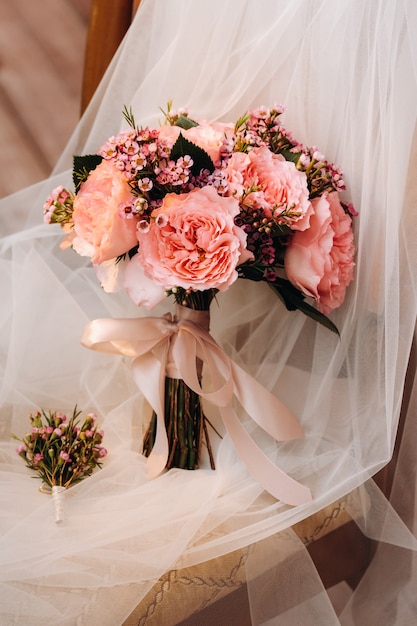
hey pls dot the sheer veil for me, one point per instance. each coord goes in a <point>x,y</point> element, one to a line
<point>347,73</point>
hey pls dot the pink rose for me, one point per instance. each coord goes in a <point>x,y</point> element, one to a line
<point>192,242</point>
<point>207,135</point>
<point>319,260</point>
<point>169,133</point>
<point>283,192</point>
<point>210,137</point>
<point>99,230</point>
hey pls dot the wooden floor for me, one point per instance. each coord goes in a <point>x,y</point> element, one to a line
<point>41,57</point>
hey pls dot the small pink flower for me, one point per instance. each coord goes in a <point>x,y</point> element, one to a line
<point>143,226</point>
<point>197,246</point>
<point>317,155</point>
<point>138,161</point>
<point>162,220</point>
<point>145,184</point>
<point>59,195</point>
<point>109,149</point>
<point>319,260</point>
<point>65,456</point>
<point>126,210</point>
<point>100,232</point>
<point>282,190</point>
<point>37,458</point>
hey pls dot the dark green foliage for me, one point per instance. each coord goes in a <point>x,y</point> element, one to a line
<point>82,166</point>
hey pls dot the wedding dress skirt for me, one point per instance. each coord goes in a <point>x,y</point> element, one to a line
<point>347,73</point>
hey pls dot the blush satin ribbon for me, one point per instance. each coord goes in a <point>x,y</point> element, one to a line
<point>172,346</point>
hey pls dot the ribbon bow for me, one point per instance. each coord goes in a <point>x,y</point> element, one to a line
<point>163,346</point>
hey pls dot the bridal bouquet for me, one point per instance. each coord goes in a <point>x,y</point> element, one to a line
<point>61,452</point>
<point>186,209</point>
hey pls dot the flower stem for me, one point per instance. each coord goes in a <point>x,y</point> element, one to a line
<point>185,421</point>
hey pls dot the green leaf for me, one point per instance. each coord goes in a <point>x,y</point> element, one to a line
<point>240,123</point>
<point>129,117</point>
<point>130,253</point>
<point>252,271</point>
<point>185,122</point>
<point>82,166</point>
<point>294,299</point>
<point>281,230</point>
<point>290,156</point>
<point>201,160</point>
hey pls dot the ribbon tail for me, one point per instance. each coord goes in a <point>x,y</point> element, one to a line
<point>139,338</point>
<point>272,415</point>
<point>262,406</point>
<point>228,378</point>
<point>271,477</point>
<point>148,368</point>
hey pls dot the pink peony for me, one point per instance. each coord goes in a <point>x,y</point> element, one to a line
<point>192,243</point>
<point>207,135</point>
<point>99,230</point>
<point>283,192</point>
<point>319,261</point>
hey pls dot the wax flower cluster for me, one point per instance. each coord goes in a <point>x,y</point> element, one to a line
<point>59,450</point>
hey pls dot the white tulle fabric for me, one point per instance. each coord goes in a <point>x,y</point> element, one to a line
<point>347,72</point>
